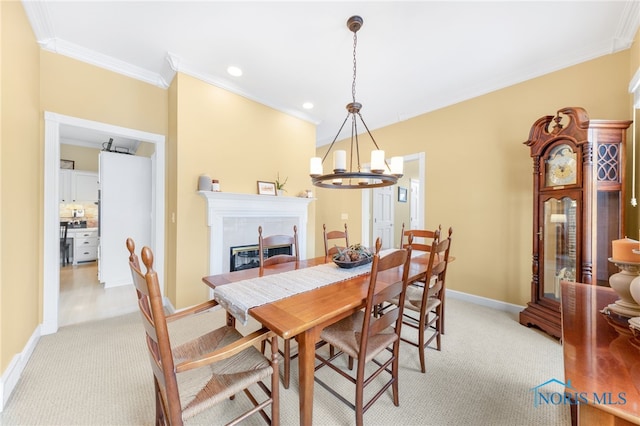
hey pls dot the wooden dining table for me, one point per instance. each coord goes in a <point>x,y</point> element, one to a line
<point>304,315</point>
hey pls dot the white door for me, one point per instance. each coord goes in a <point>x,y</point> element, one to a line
<point>383,216</point>
<point>414,203</point>
<point>125,211</point>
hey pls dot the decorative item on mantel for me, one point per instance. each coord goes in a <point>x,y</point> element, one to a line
<point>204,183</point>
<point>626,257</point>
<point>380,173</point>
<point>280,185</point>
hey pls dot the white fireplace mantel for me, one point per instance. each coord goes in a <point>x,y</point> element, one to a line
<point>276,215</point>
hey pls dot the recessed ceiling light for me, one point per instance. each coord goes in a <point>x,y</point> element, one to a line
<point>307,105</point>
<point>234,71</point>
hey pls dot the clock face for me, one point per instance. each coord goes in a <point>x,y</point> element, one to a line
<point>561,166</point>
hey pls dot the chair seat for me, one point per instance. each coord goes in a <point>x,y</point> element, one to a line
<point>225,378</point>
<point>413,300</point>
<point>346,333</point>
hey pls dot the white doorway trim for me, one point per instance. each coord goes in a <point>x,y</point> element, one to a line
<point>51,254</point>
<point>366,199</point>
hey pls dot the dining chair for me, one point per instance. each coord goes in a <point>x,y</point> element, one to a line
<point>277,241</point>
<point>65,245</point>
<point>421,243</point>
<point>196,375</point>
<point>424,304</point>
<point>422,238</point>
<point>368,338</point>
<point>334,235</point>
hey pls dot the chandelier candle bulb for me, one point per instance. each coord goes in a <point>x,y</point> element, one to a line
<point>377,161</point>
<point>397,166</point>
<point>623,250</point>
<point>365,181</point>
<point>339,161</point>
<point>315,166</point>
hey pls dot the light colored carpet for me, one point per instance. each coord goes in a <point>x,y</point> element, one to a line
<point>98,373</point>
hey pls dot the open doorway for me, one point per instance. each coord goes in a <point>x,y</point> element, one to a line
<point>415,180</point>
<point>53,124</point>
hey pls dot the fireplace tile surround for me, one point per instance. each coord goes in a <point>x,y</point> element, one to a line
<point>233,220</point>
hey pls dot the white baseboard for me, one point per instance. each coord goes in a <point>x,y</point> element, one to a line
<point>12,374</point>
<point>484,301</point>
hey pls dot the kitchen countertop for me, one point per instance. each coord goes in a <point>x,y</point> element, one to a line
<point>75,230</point>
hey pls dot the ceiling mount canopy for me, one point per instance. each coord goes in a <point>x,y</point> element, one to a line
<point>380,173</point>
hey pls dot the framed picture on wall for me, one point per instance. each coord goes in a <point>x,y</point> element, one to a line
<point>67,164</point>
<point>266,188</point>
<point>402,194</point>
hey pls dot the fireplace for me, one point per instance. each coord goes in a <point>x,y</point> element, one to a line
<point>247,257</point>
<point>233,221</point>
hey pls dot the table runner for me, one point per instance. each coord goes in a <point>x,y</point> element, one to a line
<point>239,297</point>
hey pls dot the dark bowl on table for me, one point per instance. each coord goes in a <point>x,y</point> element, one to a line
<point>352,264</point>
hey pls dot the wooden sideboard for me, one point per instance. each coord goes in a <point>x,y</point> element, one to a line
<point>601,358</point>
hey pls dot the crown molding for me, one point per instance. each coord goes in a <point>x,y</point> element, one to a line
<point>628,26</point>
<point>38,16</point>
<point>110,63</point>
<point>179,65</point>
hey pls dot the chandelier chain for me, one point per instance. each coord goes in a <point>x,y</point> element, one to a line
<point>353,85</point>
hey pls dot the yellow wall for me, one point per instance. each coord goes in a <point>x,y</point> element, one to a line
<point>479,174</point>
<point>77,89</point>
<point>84,158</point>
<point>238,142</point>
<point>21,174</point>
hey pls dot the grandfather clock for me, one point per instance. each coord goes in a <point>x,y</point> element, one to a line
<point>578,207</point>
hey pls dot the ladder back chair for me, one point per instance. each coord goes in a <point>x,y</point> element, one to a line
<point>422,238</point>
<point>427,236</point>
<point>424,305</point>
<point>368,338</point>
<point>264,244</point>
<point>276,241</point>
<point>420,244</point>
<point>334,235</point>
<point>65,245</point>
<point>194,376</point>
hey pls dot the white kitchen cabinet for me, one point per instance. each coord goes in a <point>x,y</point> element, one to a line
<point>86,186</point>
<point>65,186</point>
<point>78,185</point>
<point>85,245</point>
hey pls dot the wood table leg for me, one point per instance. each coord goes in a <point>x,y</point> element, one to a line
<point>306,362</point>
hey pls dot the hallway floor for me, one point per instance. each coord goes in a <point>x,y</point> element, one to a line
<point>83,298</point>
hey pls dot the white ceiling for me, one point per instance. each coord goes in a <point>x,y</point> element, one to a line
<point>412,57</point>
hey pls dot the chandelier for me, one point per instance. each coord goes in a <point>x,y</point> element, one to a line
<point>380,173</point>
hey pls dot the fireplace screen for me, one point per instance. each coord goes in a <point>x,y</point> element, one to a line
<point>246,257</point>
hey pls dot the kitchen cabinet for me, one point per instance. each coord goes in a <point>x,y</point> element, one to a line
<point>78,185</point>
<point>85,244</point>
<point>64,193</point>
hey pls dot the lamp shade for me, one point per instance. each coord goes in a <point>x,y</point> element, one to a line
<point>377,161</point>
<point>397,166</point>
<point>315,166</point>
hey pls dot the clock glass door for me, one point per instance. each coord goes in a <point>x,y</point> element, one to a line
<point>558,235</point>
